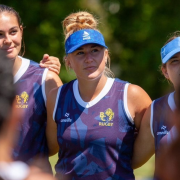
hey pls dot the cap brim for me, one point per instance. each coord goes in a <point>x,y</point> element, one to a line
<point>169,55</point>
<point>84,43</point>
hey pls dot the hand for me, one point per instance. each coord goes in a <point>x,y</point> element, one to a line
<point>50,62</point>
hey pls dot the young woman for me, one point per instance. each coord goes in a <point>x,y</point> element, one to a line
<point>9,119</point>
<point>157,127</point>
<point>93,118</point>
<point>32,83</point>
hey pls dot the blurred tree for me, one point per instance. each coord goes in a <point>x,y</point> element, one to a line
<point>134,32</point>
<point>42,28</point>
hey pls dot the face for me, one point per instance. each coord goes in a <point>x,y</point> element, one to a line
<point>88,61</point>
<point>171,70</point>
<point>10,36</point>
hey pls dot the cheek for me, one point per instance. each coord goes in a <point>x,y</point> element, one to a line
<point>18,40</point>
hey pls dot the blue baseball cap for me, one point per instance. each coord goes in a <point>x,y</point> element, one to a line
<point>170,49</point>
<point>82,37</point>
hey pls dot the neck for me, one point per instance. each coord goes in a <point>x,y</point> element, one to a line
<point>16,65</point>
<point>90,89</point>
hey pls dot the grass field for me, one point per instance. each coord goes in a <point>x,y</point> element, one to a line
<point>143,173</point>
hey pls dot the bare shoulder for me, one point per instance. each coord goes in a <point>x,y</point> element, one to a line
<point>52,76</point>
<point>138,102</point>
<point>52,81</point>
<point>135,93</point>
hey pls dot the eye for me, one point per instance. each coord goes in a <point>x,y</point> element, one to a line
<point>95,50</point>
<point>13,32</point>
<point>175,61</point>
<point>80,53</point>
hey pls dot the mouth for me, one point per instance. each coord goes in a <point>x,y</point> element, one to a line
<point>90,68</point>
<point>10,49</point>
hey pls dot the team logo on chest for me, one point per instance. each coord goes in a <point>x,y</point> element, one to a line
<point>106,118</point>
<point>22,100</point>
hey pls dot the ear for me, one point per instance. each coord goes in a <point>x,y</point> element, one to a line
<point>21,29</point>
<point>164,71</point>
<point>106,55</point>
<point>67,62</point>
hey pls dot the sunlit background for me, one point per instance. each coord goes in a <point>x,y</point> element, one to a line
<point>134,32</point>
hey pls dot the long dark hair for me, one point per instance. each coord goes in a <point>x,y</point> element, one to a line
<point>4,8</point>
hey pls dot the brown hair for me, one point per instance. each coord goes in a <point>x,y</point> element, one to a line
<point>170,38</point>
<point>4,8</point>
<point>83,20</point>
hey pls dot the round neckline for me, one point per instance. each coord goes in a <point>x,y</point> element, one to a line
<point>103,92</point>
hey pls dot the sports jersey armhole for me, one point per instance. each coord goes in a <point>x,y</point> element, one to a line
<point>151,119</point>
<point>56,103</point>
<point>43,85</point>
<point>125,103</point>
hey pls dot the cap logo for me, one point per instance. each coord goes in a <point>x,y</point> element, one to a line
<point>86,35</point>
<point>163,51</point>
<point>82,37</point>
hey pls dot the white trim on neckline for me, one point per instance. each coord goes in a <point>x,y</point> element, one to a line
<point>104,91</point>
<point>24,66</point>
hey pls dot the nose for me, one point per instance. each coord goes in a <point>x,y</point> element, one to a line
<point>7,40</point>
<point>89,58</point>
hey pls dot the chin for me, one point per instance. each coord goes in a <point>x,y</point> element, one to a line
<point>11,57</point>
<point>92,77</point>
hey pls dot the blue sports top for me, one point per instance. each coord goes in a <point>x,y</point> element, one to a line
<point>31,98</point>
<point>161,121</point>
<point>163,129</point>
<point>95,138</point>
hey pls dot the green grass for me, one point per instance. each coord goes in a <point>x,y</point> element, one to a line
<point>145,171</point>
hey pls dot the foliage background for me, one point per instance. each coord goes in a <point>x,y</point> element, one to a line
<point>134,32</point>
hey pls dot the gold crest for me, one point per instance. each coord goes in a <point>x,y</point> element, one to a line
<point>108,115</point>
<point>22,100</point>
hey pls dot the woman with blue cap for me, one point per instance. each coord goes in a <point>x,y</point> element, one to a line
<point>157,127</point>
<point>92,120</point>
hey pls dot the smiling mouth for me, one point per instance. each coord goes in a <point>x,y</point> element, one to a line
<point>9,49</point>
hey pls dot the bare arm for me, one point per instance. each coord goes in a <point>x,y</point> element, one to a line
<point>51,88</point>
<point>138,103</point>
<point>144,146</point>
<point>52,81</point>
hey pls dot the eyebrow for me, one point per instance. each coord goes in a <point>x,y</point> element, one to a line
<point>94,45</point>
<point>10,28</point>
<point>175,56</point>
